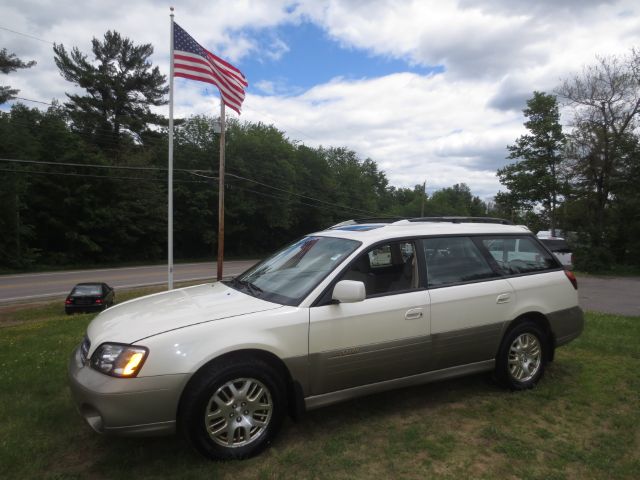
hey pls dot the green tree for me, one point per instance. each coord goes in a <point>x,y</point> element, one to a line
<point>358,183</point>
<point>121,85</point>
<point>10,63</point>
<point>405,202</point>
<point>536,177</point>
<point>18,139</point>
<point>457,201</point>
<point>605,102</point>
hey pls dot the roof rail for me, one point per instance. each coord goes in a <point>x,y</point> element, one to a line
<point>359,221</point>
<point>462,220</point>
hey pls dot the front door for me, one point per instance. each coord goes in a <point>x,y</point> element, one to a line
<point>382,337</point>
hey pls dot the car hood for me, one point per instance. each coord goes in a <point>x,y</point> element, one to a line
<point>144,317</point>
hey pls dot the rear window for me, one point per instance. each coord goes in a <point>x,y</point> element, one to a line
<point>516,255</point>
<point>559,246</point>
<point>87,290</point>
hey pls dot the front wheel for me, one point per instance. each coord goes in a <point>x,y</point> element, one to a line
<point>522,357</point>
<point>233,410</point>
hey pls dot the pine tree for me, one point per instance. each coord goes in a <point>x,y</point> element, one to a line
<point>121,87</point>
<point>10,63</point>
<point>535,176</point>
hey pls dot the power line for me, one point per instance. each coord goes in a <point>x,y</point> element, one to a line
<point>288,192</point>
<point>35,101</point>
<point>358,210</point>
<point>68,174</point>
<point>321,207</point>
<point>94,165</point>
<point>26,35</point>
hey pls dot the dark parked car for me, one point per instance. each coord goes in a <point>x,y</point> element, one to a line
<point>89,297</point>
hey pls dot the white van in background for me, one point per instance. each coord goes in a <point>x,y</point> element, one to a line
<point>558,246</point>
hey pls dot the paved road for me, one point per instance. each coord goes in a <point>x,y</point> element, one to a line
<point>619,295</point>
<point>33,286</point>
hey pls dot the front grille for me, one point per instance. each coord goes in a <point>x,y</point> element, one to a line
<point>84,349</point>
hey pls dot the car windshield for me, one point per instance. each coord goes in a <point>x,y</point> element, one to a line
<point>289,275</point>
<point>82,290</point>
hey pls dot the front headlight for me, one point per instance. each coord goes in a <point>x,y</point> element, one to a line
<point>118,360</point>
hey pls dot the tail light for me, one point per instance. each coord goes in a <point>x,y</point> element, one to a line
<point>68,301</point>
<point>98,300</point>
<point>572,278</point>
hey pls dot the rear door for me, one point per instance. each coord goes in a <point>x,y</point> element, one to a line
<point>470,301</point>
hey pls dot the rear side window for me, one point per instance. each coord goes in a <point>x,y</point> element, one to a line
<point>559,246</point>
<point>452,260</point>
<point>516,255</point>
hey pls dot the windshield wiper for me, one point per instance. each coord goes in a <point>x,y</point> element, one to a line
<point>252,287</point>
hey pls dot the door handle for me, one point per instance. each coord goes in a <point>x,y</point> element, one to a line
<point>504,298</point>
<point>413,314</point>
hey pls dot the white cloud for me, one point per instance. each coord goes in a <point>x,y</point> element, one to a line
<point>277,49</point>
<point>266,86</point>
<point>414,127</point>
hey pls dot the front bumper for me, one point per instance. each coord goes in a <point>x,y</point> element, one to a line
<point>125,406</point>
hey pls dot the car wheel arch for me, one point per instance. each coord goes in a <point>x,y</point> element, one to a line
<point>294,394</point>
<point>541,321</point>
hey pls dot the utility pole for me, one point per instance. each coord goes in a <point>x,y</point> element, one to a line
<point>424,195</point>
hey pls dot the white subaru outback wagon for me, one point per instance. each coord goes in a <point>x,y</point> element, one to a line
<point>349,311</point>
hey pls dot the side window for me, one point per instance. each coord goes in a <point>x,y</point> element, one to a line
<point>380,257</point>
<point>519,255</point>
<point>386,269</point>
<point>453,260</point>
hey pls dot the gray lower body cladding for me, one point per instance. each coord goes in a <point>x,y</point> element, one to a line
<point>337,375</point>
<point>566,325</point>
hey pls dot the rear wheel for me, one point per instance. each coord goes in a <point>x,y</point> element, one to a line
<point>233,410</point>
<point>522,357</point>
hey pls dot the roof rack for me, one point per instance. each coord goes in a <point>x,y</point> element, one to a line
<point>462,220</point>
<point>359,221</point>
<point>385,220</point>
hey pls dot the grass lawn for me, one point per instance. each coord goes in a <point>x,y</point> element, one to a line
<point>583,420</point>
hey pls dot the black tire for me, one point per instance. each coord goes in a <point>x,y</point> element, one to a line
<point>517,365</point>
<point>215,379</point>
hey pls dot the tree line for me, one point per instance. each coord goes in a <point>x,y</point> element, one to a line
<point>582,179</point>
<point>84,182</point>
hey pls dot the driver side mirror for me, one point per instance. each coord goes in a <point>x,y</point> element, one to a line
<point>349,291</point>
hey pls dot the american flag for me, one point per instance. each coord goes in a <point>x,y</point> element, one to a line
<point>193,61</point>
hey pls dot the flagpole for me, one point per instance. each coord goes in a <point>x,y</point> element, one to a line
<point>220,258</point>
<point>170,179</point>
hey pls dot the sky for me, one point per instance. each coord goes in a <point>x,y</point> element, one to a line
<point>430,90</point>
